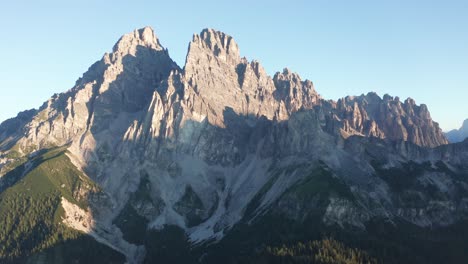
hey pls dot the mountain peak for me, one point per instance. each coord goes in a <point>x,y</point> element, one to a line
<point>286,74</point>
<point>464,128</point>
<point>145,37</point>
<point>465,124</point>
<point>217,39</point>
<point>214,44</point>
<point>458,135</point>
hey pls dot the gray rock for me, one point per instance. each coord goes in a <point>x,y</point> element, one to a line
<point>458,135</point>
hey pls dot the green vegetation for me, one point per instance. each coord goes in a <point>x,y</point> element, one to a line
<point>400,179</point>
<point>82,249</point>
<point>327,251</point>
<point>30,210</point>
<point>274,238</point>
<point>13,153</point>
<point>403,242</point>
<point>405,177</point>
<point>17,161</point>
<point>409,185</point>
<point>322,183</point>
<point>12,176</point>
<point>256,243</point>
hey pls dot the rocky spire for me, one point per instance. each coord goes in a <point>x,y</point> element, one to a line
<point>387,117</point>
<point>215,71</point>
<point>144,37</point>
<point>293,91</point>
<point>211,43</point>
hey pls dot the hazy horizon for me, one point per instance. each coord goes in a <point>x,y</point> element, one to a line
<point>415,49</point>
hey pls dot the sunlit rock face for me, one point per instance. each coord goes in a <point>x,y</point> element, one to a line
<point>219,141</point>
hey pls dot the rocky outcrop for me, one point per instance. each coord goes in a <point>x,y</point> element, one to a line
<point>219,77</point>
<point>295,94</point>
<point>386,118</point>
<point>458,135</point>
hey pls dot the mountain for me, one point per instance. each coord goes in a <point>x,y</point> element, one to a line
<point>458,135</point>
<point>144,161</point>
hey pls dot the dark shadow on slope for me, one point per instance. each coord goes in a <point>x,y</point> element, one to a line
<point>385,149</point>
<point>81,250</point>
<point>401,242</point>
<point>31,214</point>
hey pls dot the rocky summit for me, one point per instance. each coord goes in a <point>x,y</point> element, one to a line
<point>458,135</point>
<point>143,161</point>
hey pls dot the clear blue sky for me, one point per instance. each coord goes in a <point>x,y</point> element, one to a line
<point>415,48</point>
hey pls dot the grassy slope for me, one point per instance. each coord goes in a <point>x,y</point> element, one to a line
<point>30,210</point>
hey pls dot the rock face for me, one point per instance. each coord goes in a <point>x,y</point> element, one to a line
<point>370,115</point>
<point>118,85</point>
<point>215,78</point>
<point>219,141</point>
<point>458,135</point>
